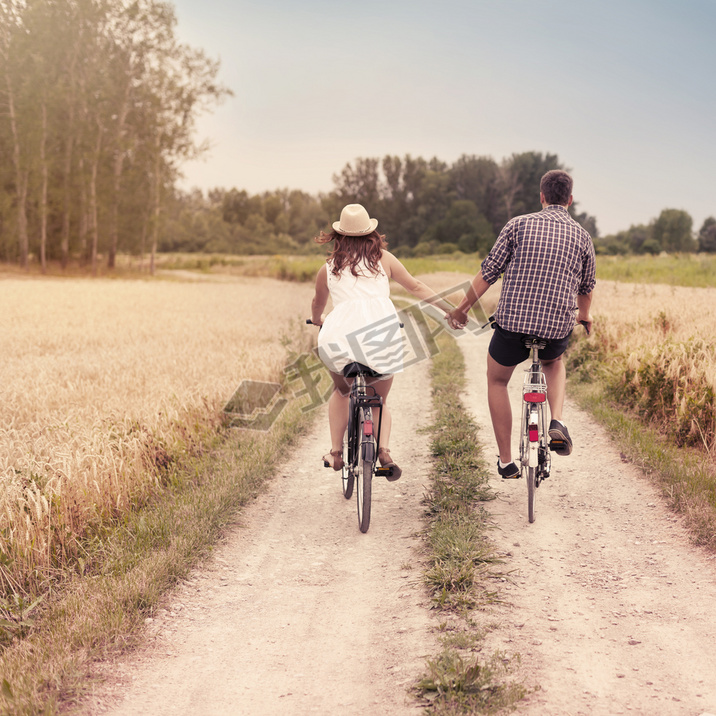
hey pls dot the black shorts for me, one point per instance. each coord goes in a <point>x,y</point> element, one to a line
<point>508,349</point>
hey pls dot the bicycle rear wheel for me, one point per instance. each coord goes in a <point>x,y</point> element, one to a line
<point>531,492</point>
<point>364,472</point>
<point>364,484</point>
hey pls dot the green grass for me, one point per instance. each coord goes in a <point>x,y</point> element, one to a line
<point>102,612</point>
<point>461,555</point>
<point>462,565</point>
<point>697,270</point>
<point>457,263</point>
<point>460,685</point>
<point>302,268</point>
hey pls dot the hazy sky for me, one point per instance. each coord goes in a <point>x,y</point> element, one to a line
<point>622,91</point>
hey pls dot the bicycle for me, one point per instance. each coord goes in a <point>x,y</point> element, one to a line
<point>535,458</point>
<point>363,441</point>
<point>534,453</point>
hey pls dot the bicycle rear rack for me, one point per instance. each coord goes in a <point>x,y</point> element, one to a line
<point>535,392</point>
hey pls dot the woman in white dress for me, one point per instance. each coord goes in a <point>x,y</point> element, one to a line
<point>363,326</point>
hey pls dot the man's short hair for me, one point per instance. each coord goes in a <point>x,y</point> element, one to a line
<point>556,186</point>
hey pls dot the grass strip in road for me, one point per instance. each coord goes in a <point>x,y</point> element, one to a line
<point>462,564</point>
<point>99,615</point>
<point>460,551</point>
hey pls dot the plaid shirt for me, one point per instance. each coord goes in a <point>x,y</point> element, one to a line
<point>547,259</point>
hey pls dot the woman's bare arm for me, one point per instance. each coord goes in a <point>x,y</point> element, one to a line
<point>320,298</point>
<point>396,271</point>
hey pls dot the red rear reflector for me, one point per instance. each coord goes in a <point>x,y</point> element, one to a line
<point>368,427</point>
<point>534,434</point>
<point>535,397</point>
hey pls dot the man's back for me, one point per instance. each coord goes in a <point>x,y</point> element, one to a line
<point>547,259</point>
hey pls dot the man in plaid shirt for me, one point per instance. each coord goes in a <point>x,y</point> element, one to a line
<point>548,263</point>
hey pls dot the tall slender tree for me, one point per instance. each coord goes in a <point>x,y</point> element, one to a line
<point>98,106</point>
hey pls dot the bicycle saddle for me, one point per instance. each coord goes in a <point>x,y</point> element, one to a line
<point>352,370</point>
<point>530,341</point>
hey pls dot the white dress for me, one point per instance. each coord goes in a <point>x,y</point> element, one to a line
<point>363,325</point>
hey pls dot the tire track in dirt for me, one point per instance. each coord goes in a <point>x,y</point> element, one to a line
<point>297,612</point>
<point>608,604</point>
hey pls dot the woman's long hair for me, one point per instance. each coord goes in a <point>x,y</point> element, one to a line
<point>350,251</point>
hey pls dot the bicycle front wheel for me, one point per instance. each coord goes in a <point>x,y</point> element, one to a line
<point>531,492</point>
<point>347,481</point>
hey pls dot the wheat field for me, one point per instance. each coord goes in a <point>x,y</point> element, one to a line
<point>663,340</point>
<point>104,382</point>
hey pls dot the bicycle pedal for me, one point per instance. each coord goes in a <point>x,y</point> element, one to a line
<point>326,464</point>
<point>556,445</point>
<point>384,471</point>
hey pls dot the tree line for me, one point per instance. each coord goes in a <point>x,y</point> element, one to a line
<point>672,231</point>
<point>98,103</point>
<point>423,206</point>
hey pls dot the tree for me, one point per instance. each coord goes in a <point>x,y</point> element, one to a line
<point>463,225</point>
<point>637,236</point>
<point>707,236</point>
<point>16,88</point>
<point>673,231</point>
<point>478,179</point>
<point>520,176</point>
<point>359,184</point>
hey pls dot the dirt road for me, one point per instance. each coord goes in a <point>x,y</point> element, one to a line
<point>610,607</point>
<point>298,612</point>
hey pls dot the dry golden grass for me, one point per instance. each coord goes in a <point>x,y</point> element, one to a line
<point>105,383</point>
<point>664,340</point>
<point>688,311</point>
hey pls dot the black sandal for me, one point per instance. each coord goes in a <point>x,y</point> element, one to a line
<point>386,462</point>
<point>337,462</point>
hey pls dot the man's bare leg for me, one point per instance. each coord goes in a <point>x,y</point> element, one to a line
<point>498,376</point>
<point>556,375</point>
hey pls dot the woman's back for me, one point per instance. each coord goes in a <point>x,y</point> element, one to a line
<point>363,325</point>
<point>365,285</point>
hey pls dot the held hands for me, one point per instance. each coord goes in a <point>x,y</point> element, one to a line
<point>456,319</point>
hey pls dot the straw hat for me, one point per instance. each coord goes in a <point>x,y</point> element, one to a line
<point>355,221</point>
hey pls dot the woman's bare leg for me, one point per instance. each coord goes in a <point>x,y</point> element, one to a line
<point>382,387</point>
<point>338,409</point>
